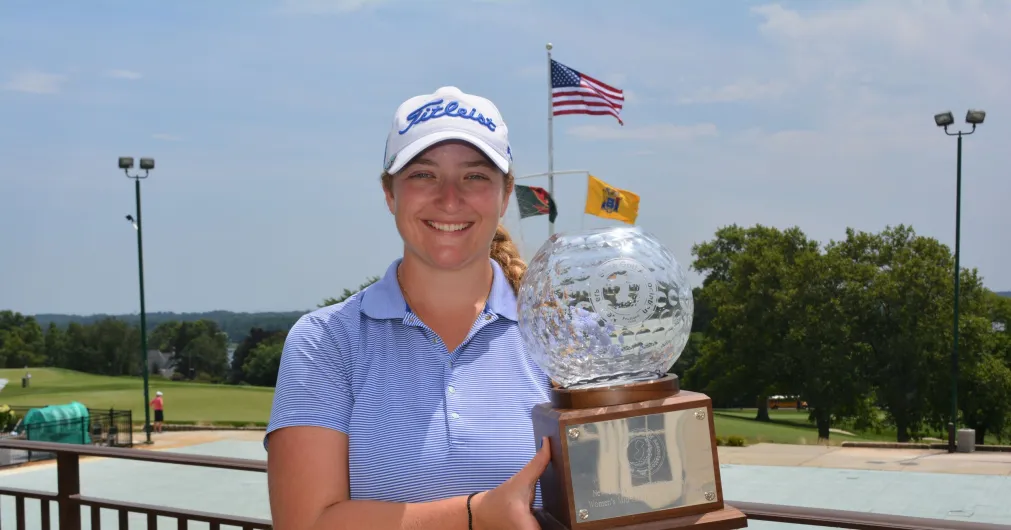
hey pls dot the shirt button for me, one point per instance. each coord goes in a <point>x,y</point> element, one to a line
<point>487,317</point>
<point>451,390</point>
<point>455,416</point>
<point>435,341</point>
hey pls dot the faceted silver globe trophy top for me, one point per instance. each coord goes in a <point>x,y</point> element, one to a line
<point>605,307</point>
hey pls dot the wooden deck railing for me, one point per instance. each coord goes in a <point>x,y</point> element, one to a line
<point>69,500</point>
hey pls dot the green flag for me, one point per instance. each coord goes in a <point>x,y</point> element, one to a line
<point>535,201</point>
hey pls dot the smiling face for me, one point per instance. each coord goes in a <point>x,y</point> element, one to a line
<point>448,202</point>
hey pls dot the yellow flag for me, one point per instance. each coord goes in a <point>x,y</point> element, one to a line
<point>604,200</point>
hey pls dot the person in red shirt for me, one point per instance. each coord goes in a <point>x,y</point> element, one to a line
<point>159,411</point>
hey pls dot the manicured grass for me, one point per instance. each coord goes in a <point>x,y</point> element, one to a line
<point>245,405</point>
<point>184,402</point>
<point>798,419</point>
<point>787,426</point>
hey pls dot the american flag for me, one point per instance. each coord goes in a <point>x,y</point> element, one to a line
<point>573,92</point>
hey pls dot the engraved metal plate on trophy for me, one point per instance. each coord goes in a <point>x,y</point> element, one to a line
<point>641,464</point>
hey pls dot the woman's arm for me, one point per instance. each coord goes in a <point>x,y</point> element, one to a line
<point>307,444</point>
<point>307,454</point>
<point>307,477</point>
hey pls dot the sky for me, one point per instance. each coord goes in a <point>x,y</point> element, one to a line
<point>267,120</point>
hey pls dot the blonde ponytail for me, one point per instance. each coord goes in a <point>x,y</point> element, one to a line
<point>504,251</point>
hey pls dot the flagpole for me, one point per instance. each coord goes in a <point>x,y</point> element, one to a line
<point>563,172</point>
<point>551,141</point>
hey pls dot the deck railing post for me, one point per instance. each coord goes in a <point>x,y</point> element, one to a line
<point>68,487</point>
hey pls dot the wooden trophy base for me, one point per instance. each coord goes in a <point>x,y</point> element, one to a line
<point>640,456</point>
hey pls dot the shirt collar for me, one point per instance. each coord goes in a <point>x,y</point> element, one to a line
<point>383,299</point>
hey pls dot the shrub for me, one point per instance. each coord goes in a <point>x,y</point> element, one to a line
<point>8,419</point>
<point>735,441</point>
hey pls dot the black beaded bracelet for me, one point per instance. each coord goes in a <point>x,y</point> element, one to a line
<point>470,516</point>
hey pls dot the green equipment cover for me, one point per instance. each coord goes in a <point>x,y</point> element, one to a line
<point>67,424</point>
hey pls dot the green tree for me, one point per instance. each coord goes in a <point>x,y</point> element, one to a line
<point>190,331</point>
<point>56,347</point>
<point>204,357</point>
<point>256,336</point>
<point>825,359</point>
<point>985,395</point>
<point>907,323</point>
<point>199,348</point>
<point>21,341</point>
<point>235,324</point>
<point>999,313</point>
<point>984,386</point>
<point>82,355</point>
<point>703,314</point>
<point>163,338</point>
<point>264,361</point>
<point>115,348</point>
<point>745,272</point>
<point>348,292</point>
<point>689,356</point>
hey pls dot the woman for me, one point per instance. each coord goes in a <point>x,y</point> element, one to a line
<point>408,404</point>
<point>159,410</point>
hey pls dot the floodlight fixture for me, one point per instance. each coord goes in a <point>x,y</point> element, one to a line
<point>975,117</point>
<point>944,119</point>
<point>146,165</point>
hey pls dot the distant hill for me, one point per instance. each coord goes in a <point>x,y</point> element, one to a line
<point>1004,293</point>
<point>236,325</point>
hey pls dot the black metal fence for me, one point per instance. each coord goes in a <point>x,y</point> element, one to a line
<point>108,428</point>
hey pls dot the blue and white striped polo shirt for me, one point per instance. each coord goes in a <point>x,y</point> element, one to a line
<point>423,423</point>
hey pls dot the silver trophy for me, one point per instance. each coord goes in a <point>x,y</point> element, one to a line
<point>606,313</point>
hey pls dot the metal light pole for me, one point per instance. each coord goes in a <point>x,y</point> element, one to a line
<point>944,120</point>
<point>146,164</point>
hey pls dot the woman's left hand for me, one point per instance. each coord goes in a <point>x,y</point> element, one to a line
<point>508,507</point>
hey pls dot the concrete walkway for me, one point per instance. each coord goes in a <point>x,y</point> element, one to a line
<point>902,460</point>
<point>835,457</point>
<point>920,483</point>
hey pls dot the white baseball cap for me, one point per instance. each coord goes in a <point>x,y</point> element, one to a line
<point>448,114</point>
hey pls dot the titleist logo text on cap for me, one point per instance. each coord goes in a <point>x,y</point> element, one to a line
<point>434,110</point>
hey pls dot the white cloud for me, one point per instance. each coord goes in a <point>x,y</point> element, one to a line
<point>743,90</point>
<point>34,82</point>
<point>326,7</point>
<point>633,97</point>
<point>843,102</point>
<point>861,80</point>
<point>660,132</point>
<point>888,45</point>
<point>641,152</point>
<point>124,74</point>
<point>532,70</point>
<point>857,59</point>
<point>615,80</point>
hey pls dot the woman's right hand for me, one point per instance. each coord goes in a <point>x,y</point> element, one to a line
<point>508,507</point>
